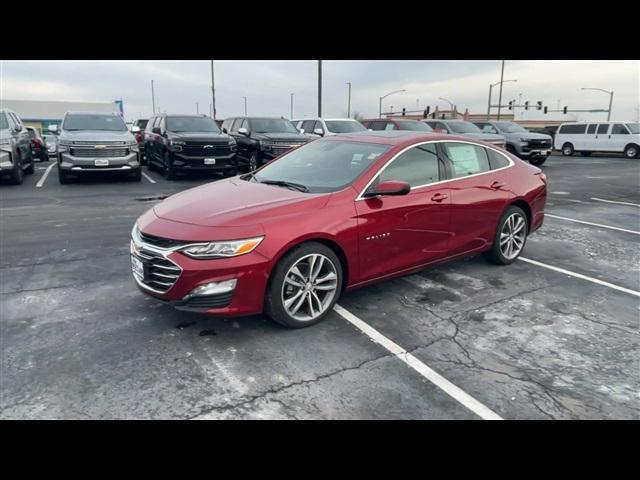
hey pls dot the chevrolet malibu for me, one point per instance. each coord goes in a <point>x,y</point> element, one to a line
<point>336,214</point>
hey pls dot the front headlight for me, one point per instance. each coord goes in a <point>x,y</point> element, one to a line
<point>133,147</point>
<point>231,248</point>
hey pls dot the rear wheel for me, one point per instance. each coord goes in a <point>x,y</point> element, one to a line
<point>510,237</point>
<point>631,151</point>
<point>304,286</point>
<point>567,149</point>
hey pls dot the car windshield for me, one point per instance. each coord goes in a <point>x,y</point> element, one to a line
<point>4,124</point>
<point>272,125</point>
<point>324,165</point>
<point>111,123</point>
<point>344,126</point>
<point>142,124</point>
<point>634,127</point>
<point>510,127</point>
<point>192,124</point>
<point>464,127</point>
<point>415,126</point>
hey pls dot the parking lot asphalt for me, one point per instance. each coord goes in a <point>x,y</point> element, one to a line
<point>555,335</point>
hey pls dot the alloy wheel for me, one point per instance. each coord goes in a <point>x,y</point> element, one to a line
<point>513,235</point>
<point>309,287</point>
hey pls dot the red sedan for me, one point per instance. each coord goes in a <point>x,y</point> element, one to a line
<point>336,214</point>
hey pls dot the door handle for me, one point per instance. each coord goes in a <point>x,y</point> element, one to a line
<point>497,185</point>
<point>438,197</point>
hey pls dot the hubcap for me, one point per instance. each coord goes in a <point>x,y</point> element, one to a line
<point>631,152</point>
<point>512,236</point>
<point>309,287</point>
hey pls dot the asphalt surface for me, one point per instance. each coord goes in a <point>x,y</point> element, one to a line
<point>79,340</point>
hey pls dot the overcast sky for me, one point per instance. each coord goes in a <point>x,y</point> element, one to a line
<point>268,85</point>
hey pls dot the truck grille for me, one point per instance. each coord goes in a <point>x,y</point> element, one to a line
<point>162,272</point>
<point>99,152</point>
<point>196,149</point>
<point>539,143</point>
<point>158,241</point>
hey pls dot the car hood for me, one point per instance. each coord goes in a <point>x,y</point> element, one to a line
<point>529,135</point>
<point>293,137</point>
<point>96,136</point>
<point>235,202</point>
<point>201,136</point>
<point>487,137</point>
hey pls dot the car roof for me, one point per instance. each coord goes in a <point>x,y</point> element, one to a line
<point>394,137</point>
<point>89,112</point>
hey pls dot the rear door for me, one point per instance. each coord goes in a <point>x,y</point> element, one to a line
<point>619,137</point>
<point>590,142</point>
<point>602,137</point>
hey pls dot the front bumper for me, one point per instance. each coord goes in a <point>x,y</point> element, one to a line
<point>6,164</point>
<point>71,164</point>
<point>197,164</point>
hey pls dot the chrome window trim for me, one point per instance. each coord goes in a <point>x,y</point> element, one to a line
<point>511,164</point>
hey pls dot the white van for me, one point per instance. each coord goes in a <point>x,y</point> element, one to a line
<point>588,137</point>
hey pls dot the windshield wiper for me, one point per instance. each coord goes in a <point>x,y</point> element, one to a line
<point>282,183</point>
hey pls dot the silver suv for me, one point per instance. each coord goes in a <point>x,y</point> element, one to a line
<point>96,142</point>
<point>466,129</point>
<point>535,147</point>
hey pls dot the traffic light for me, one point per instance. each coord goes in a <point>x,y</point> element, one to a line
<point>540,105</point>
<point>511,105</point>
<point>404,111</point>
<point>526,105</point>
<point>564,110</point>
<point>425,114</point>
<point>545,110</point>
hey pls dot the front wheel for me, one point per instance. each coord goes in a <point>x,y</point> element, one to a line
<point>17,175</point>
<point>537,161</point>
<point>510,237</point>
<point>254,161</point>
<point>63,177</point>
<point>567,149</point>
<point>168,171</point>
<point>305,285</point>
<point>631,151</point>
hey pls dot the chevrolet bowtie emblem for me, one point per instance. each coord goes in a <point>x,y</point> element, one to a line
<point>100,146</point>
<point>208,146</point>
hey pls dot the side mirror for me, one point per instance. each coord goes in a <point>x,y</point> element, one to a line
<point>389,187</point>
<point>319,131</point>
<point>224,130</point>
<point>301,130</point>
<point>135,129</point>
<point>243,131</point>
<point>156,130</point>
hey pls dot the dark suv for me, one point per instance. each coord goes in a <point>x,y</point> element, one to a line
<point>261,139</point>
<point>16,156</point>
<point>188,143</point>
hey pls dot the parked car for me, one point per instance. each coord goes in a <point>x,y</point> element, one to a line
<point>589,137</point>
<point>16,155</point>
<point>319,127</point>
<point>534,147</point>
<point>188,143</point>
<point>96,142</point>
<point>137,128</point>
<point>396,124</point>
<point>51,141</point>
<point>468,129</point>
<point>261,139</point>
<point>339,213</point>
<point>547,130</point>
<point>38,145</point>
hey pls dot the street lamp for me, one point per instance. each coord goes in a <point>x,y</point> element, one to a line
<point>349,101</point>
<point>448,101</point>
<point>491,88</point>
<point>245,106</point>
<point>610,98</point>
<point>291,118</point>
<point>197,108</point>
<point>385,96</point>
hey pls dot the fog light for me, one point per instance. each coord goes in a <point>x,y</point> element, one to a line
<point>213,288</point>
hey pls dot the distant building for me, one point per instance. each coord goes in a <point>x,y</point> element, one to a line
<point>43,114</point>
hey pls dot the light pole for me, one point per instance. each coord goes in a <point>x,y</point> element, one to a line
<point>385,96</point>
<point>197,108</point>
<point>320,88</point>
<point>245,106</point>
<point>610,99</point>
<point>449,102</point>
<point>291,118</point>
<point>153,99</point>
<point>213,93</point>
<point>491,88</point>
<point>349,101</point>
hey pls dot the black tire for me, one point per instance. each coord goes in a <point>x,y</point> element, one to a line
<point>567,149</point>
<point>537,161</point>
<point>168,171</point>
<point>254,161</point>
<point>274,307</point>
<point>495,255</point>
<point>17,175</point>
<point>63,177</point>
<point>585,154</point>
<point>44,156</point>
<point>136,176</point>
<point>31,168</point>
<point>632,151</point>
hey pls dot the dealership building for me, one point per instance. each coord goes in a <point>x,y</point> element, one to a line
<point>42,114</point>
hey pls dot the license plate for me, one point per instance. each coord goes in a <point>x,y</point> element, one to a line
<point>137,267</point>
<point>101,162</point>
<point>209,161</point>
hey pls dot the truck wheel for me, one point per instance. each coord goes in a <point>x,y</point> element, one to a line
<point>631,151</point>
<point>168,171</point>
<point>30,169</point>
<point>63,177</point>
<point>537,161</point>
<point>254,161</point>
<point>17,176</point>
<point>567,149</point>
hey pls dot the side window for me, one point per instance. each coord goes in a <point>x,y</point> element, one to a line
<point>16,120</point>
<point>236,124</point>
<point>466,159</point>
<point>496,160</point>
<point>591,128</point>
<point>417,166</point>
<point>244,124</point>
<point>227,124</point>
<point>307,126</point>
<point>603,128</point>
<point>150,124</point>
<point>390,126</point>
<point>161,123</point>
<point>573,129</point>
<point>619,129</point>
<point>441,126</point>
<point>319,125</point>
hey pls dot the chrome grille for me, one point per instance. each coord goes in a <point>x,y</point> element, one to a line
<point>162,272</point>
<point>539,143</point>
<point>99,152</point>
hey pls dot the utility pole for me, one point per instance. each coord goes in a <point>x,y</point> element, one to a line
<point>153,99</point>
<point>245,106</point>
<point>501,82</point>
<point>213,93</point>
<point>291,118</point>
<point>320,88</point>
<point>349,101</point>
<point>197,109</point>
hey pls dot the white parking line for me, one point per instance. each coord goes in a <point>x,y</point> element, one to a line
<point>614,201</point>
<point>583,277</point>
<point>45,175</point>
<point>592,224</point>
<point>148,177</point>
<point>438,380</point>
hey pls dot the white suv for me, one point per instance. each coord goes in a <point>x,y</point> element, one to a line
<point>588,137</point>
<point>319,127</point>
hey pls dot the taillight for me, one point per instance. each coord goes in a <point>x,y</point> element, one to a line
<point>139,137</point>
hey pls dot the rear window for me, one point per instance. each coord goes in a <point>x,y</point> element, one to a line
<point>496,160</point>
<point>572,129</point>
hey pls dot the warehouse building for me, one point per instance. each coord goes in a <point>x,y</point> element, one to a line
<point>42,114</point>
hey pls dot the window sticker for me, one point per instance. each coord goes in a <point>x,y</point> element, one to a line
<point>464,158</point>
